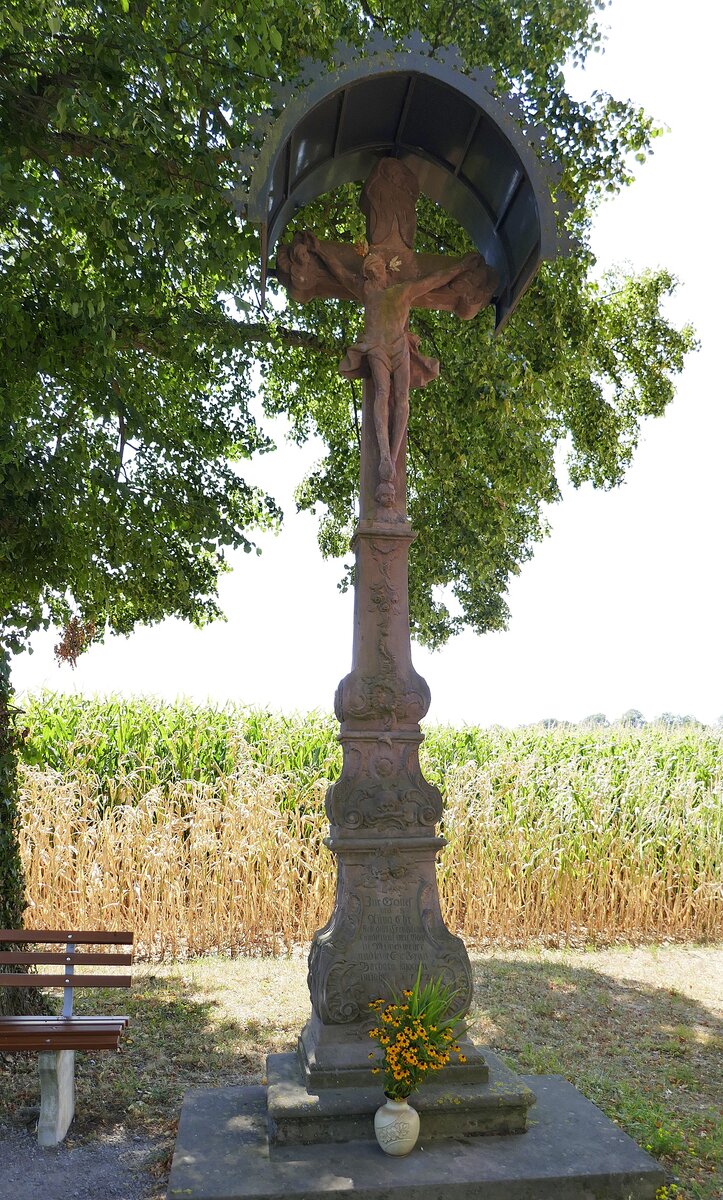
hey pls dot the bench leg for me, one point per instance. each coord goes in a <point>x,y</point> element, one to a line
<point>57,1095</point>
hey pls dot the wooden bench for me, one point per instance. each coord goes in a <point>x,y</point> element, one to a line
<point>57,1038</point>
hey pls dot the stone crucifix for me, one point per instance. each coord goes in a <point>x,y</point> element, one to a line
<point>388,279</point>
<point>383,813</point>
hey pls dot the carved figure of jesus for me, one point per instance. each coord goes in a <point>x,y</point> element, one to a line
<point>388,281</point>
<point>388,352</point>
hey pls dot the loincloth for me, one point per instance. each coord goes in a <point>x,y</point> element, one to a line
<point>356,363</point>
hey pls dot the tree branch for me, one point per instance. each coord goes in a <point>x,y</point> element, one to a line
<point>161,338</point>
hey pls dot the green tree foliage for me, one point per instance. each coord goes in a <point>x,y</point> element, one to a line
<point>125,374</point>
<point>126,379</point>
<point>678,720</point>
<point>12,892</point>
<point>633,718</point>
<point>11,882</point>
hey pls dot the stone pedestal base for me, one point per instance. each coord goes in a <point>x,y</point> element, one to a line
<point>447,1109</point>
<point>570,1152</point>
<point>338,1057</point>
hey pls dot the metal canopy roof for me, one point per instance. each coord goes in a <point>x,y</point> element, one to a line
<point>467,151</point>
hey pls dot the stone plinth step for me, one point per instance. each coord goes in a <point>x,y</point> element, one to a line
<point>570,1152</point>
<point>342,1114</point>
<point>346,1064</point>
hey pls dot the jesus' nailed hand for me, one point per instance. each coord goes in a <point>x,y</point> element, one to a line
<point>388,351</point>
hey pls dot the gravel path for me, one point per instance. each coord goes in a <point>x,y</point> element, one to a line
<point>111,1168</point>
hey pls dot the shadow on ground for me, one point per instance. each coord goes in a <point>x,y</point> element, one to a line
<point>650,1057</point>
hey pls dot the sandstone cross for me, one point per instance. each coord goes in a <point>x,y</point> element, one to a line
<point>383,813</point>
<point>388,278</point>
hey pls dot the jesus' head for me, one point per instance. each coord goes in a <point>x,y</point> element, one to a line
<point>375,270</point>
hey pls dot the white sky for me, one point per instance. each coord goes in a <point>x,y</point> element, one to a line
<point>620,606</point>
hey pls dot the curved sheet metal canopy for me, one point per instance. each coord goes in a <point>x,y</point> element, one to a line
<point>468,152</point>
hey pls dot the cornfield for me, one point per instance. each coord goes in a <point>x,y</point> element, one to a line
<point>202,829</point>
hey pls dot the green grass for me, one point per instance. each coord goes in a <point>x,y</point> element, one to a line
<point>609,1022</point>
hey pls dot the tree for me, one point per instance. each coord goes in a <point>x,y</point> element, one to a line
<point>677,720</point>
<point>11,879</point>
<point>633,719</point>
<point>126,373</point>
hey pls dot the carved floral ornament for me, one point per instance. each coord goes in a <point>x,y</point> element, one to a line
<point>383,792</point>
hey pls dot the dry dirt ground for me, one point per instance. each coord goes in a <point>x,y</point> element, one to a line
<point>638,1030</point>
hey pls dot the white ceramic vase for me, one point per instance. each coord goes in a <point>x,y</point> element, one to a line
<point>396,1125</point>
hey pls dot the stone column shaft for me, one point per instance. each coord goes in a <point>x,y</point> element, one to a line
<point>382,812</point>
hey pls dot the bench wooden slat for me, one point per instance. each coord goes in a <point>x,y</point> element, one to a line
<point>18,1024</point>
<point>80,1041</point>
<point>11,979</point>
<point>77,937</point>
<point>61,1033</point>
<point>48,957</point>
<point>21,1038</point>
<point>93,1039</point>
<point>83,1041</point>
<point>12,1023</point>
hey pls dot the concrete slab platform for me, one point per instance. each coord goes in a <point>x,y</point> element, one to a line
<point>570,1152</point>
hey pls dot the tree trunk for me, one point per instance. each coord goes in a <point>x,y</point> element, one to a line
<point>13,1001</point>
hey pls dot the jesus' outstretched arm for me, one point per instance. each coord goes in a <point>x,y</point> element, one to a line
<point>351,280</point>
<point>437,279</point>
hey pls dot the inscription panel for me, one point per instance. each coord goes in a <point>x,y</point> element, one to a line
<point>391,942</point>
